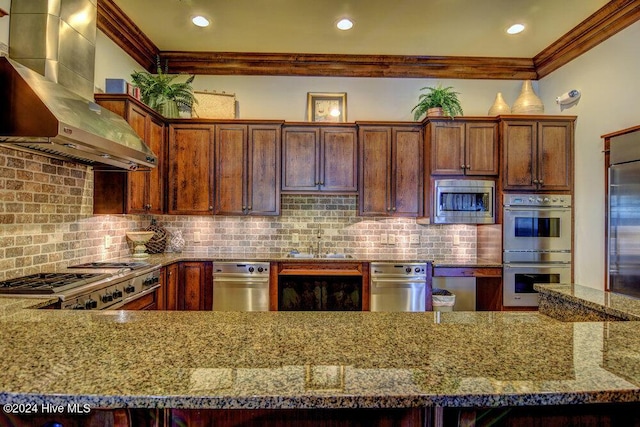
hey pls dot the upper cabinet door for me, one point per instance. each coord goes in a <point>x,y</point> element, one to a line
<point>375,171</point>
<point>300,154</point>
<point>520,148</point>
<point>481,148</point>
<point>230,169</point>
<point>407,173</point>
<point>338,160</point>
<point>538,154</point>
<point>156,180</point>
<point>263,167</point>
<point>190,188</point>
<point>463,147</point>
<point>555,157</point>
<point>138,182</point>
<point>447,147</point>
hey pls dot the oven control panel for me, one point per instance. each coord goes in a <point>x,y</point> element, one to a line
<point>563,200</point>
<point>112,294</point>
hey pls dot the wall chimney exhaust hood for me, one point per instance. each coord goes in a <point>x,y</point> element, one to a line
<point>38,115</point>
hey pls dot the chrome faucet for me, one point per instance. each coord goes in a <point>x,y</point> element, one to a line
<point>319,236</point>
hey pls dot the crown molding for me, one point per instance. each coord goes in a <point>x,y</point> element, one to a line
<point>604,23</point>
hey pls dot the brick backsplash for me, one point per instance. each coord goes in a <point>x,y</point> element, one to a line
<point>341,231</point>
<point>46,220</point>
<point>46,224</point>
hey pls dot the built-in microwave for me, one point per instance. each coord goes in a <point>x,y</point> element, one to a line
<point>464,201</point>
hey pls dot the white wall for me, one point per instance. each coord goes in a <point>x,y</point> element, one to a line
<point>607,77</point>
<point>285,98</point>
<point>4,23</point>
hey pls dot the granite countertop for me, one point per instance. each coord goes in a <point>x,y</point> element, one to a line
<point>472,262</point>
<point>605,302</point>
<point>117,359</point>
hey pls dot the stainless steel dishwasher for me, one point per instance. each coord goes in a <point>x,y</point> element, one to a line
<point>241,286</point>
<point>398,287</point>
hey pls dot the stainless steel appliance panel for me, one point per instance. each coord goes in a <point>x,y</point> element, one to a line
<point>623,256</point>
<point>241,286</point>
<point>461,201</point>
<point>537,223</point>
<point>398,287</point>
<point>518,281</point>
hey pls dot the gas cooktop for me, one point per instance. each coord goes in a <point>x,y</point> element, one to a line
<point>47,283</point>
<point>112,264</point>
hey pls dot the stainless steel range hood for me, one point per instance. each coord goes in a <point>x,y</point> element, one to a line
<point>44,117</point>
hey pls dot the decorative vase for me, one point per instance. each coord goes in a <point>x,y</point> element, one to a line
<point>177,241</point>
<point>499,106</point>
<point>527,102</point>
<point>169,109</point>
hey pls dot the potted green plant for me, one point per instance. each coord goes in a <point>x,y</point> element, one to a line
<point>444,98</point>
<point>160,92</point>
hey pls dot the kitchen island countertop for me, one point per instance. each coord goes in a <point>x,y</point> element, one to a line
<point>116,359</point>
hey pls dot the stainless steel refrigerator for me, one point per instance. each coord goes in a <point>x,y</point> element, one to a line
<point>624,215</point>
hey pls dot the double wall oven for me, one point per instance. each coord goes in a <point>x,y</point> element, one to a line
<point>536,244</point>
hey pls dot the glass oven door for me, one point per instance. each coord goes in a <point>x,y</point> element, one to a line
<point>518,281</point>
<point>537,229</point>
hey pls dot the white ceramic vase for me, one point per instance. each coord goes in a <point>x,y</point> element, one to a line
<point>527,102</point>
<point>499,106</point>
<point>177,241</point>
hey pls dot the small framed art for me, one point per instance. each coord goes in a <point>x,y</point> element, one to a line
<point>327,107</point>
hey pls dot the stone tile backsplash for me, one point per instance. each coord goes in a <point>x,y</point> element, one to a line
<point>46,224</point>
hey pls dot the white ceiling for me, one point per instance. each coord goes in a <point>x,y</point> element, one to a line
<point>397,27</point>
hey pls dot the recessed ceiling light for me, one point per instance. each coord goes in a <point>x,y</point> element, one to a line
<point>345,24</point>
<point>200,21</point>
<point>515,29</point>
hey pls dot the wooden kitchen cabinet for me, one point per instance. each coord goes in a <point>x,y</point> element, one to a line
<point>538,153</point>
<point>140,192</point>
<point>168,298</point>
<point>390,171</point>
<point>147,302</point>
<point>463,147</point>
<point>319,159</point>
<point>247,169</point>
<point>195,285</point>
<point>190,158</point>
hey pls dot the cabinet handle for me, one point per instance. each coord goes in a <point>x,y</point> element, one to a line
<point>321,182</point>
<point>541,182</point>
<point>393,209</point>
<point>461,166</point>
<point>249,207</point>
<point>469,167</point>
<point>388,209</point>
<point>210,208</point>
<point>535,181</point>
<point>244,207</point>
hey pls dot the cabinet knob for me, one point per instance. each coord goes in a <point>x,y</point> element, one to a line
<point>249,207</point>
<point>540,182</point>
<point>462,166</point>
<point>535,181</point>
<point>393,209</point>
<point>388,209</point>
<point>244,207</point>
<point>321,182</point>
<point>210,208</point>
<point>468,166</point>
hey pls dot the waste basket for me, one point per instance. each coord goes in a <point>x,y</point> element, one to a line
<point>443,300</point>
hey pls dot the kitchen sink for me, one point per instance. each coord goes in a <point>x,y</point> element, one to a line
<point>323,256</point>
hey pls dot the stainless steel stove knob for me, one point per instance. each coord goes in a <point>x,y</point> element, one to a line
<point>251,269</point>
<point>129,288</point>
<point>107,298</point>
<point>260,269</point>
<point>90,304</point>
<point>408,269</point>
<point>417,270</point>
<point>77,306</point>
<point>117,294</point>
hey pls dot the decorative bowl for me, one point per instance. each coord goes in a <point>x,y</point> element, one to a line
<point>139,238</point>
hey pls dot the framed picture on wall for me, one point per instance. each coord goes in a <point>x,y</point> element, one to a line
<point>327,107</point>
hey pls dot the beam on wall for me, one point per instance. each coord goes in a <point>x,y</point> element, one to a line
<point>604,23</point>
